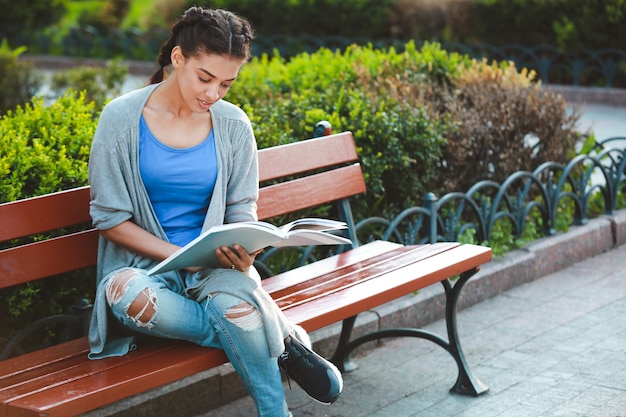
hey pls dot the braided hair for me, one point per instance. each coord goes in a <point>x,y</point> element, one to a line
<point>213,31</point>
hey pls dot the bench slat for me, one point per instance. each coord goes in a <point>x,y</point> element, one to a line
<point>43,357</point>
<point>313,190</point>
<point>348,302</point>
<point>75,366</point>
<point>42,214</point>
<point>303,273</point>
<point>97,383</point>
<point>39,379</point>
<point>62,254</point>
<point>295,158</point>
<point>348,275</point>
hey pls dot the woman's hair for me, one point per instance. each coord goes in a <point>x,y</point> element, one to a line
<point>212,31</point>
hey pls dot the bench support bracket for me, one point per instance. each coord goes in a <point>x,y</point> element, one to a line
<point>341,357</point>
<point>467,383</point>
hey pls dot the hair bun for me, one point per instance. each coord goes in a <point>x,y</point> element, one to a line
<point>194,11</point>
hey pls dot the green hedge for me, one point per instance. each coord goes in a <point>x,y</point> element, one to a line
<point>45,148</point>
<point>568,24</point>
<point>436,120</point>
<point>18,18</point>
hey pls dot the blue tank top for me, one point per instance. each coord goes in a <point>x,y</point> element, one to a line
<point>179,182</point>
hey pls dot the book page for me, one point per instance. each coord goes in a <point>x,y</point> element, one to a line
<point>252,236</point>
<point>314,224</point>
<point>304,237</point>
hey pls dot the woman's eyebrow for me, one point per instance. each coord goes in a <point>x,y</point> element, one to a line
<point>213,76</point>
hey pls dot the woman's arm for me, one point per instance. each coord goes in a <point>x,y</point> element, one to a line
<point>140,241</point>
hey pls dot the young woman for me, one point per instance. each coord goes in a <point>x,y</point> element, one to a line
<point>167,162</point>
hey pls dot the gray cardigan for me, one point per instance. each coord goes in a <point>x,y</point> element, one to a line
<point>118,194</point>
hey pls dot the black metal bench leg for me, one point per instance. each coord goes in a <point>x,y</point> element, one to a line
<point>341,358</point>
<point>467,383</point>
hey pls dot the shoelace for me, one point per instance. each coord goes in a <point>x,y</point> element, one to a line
<point>283,360</point>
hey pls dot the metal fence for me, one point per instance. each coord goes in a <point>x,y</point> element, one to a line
<point>604,67</point>
<point>589,182</point>
<point>550,198</point>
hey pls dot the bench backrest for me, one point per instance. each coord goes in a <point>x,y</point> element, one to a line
<point>302,175</point>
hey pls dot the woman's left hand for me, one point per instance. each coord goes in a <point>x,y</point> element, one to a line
<point>236,257</point>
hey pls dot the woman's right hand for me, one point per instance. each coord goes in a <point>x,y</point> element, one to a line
<point>236,257</point>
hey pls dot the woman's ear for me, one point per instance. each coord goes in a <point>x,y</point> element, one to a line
<point>177,56</point>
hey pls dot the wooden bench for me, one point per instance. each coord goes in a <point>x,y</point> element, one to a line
<point>61,381</point>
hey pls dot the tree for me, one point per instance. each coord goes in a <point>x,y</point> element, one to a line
<point>18,17</point>
<point>18,82</point>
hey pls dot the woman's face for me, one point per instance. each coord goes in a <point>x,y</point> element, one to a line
<point>204,79</point>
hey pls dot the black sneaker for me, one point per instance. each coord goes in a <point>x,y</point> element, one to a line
<point>316,376</point>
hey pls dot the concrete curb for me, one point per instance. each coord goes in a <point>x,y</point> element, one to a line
<point>542,257</point>
<point>597,95</point>
<point>53,62</point>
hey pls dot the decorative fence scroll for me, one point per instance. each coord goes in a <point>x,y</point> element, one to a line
<point>600,174</point>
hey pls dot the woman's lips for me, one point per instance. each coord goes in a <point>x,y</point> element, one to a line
<point>205,104</point>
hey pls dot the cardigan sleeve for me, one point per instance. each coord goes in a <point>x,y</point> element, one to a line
<point>243,182</point>
<point>110,199</point>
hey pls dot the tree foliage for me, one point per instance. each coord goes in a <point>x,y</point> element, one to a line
<point>23,17</point>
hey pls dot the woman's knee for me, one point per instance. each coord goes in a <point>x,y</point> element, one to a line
<point>141,308</point>
<point>245,316</point>
<point>240,313</point>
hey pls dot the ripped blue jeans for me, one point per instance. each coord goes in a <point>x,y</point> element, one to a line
<point>145,304</point>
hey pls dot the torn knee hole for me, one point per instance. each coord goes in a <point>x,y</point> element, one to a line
<point>245,316</point>
<point>118,285</point>
<point>143,308</point>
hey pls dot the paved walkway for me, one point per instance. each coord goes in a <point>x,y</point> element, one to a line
<point>604,120</point>
<point>553,347</point>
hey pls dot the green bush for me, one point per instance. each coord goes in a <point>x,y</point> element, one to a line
<point>505,122</point>
<point>396,136</point>
<point>45,148</point>
<point>437,120</point>
<point>18,82</point>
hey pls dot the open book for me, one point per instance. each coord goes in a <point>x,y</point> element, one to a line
<point>252,236</point>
